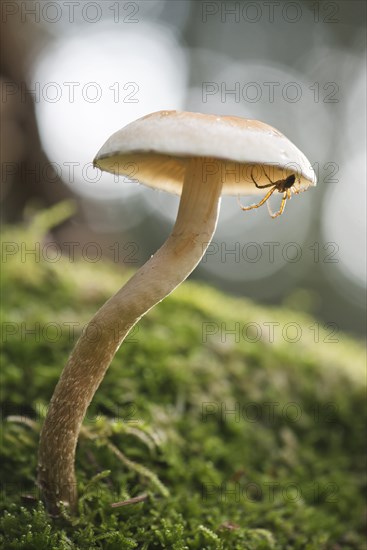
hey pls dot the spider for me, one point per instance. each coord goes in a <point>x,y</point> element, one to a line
<point>284,186</point>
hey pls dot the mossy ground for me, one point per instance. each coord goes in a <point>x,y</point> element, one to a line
<point>285,471</point>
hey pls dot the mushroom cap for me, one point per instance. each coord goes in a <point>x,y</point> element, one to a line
<point>155,150</point>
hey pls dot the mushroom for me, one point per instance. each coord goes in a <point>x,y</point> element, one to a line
<point>199,157</point>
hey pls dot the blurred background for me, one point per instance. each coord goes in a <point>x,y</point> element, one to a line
<point>74,72</point>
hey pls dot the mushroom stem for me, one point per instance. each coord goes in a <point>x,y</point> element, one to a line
<point>89,361</point>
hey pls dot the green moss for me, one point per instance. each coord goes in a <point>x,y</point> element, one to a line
<point>235,441</point>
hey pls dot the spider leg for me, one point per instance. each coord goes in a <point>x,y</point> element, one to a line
<point>282,206</point>
<point>268,194</point>
<point>298,191</point>
<point>261,186</point>
<point>287,195</point>
<point>269,208</point>
<point>267,176</point>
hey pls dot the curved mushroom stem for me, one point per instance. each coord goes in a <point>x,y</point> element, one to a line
<point>87,365</point>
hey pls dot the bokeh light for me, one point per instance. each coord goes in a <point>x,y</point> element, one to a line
<point>96,81</point>
<point>344,223</point>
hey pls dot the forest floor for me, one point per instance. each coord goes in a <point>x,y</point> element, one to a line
<point>242,440</point>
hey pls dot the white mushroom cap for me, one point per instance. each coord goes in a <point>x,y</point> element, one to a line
<point>155,150</point>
